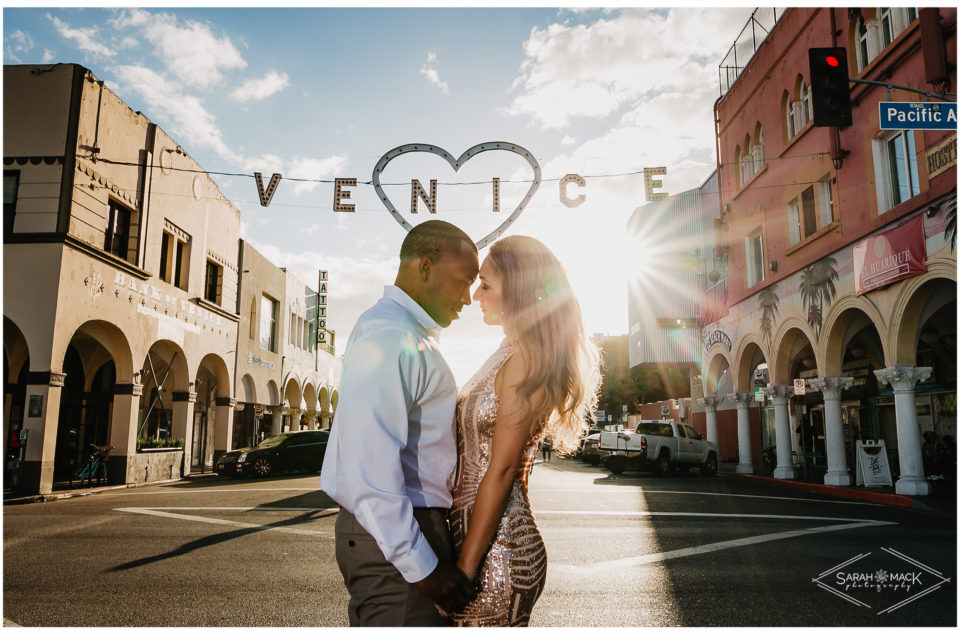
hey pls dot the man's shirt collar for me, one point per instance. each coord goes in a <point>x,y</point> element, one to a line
<point>403,299</point>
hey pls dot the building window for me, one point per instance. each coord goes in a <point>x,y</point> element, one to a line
<point>811,211</point>
<point>268,323</point>
<point>213,287</point>
<point>117,236</point>
<point>753,245</point>
<point>895,169</point>
<point>878,29</point>
<point>11,184</point>
<point>174,259</point>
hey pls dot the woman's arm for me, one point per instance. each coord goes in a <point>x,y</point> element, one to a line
<point>511,434</point>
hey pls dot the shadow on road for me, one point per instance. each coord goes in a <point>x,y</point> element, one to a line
<point>328,508</point>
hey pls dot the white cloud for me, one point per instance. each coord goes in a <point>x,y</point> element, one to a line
<point>568,140</point>
<point>48,56</point>
<point>260,88</point>
<point>87,39</point>
<point>428,71</point>
<point>191,121</point>
<point>189,49</point>
<point>19,42</point>
<point>594,70</point>
<point>314,168</point>
<point>128,42</point>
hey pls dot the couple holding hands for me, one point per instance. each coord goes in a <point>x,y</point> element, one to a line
<point>435,525</point>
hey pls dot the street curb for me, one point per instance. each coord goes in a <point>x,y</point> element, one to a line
<point>838,491</point>
<point>83,493</point>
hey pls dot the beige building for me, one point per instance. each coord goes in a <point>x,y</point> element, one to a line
<point>120,298</point>
<point>278,347</point>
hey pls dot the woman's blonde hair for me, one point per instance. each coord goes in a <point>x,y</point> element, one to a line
<point>543,317</point>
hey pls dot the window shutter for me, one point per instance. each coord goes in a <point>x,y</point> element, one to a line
<point>825,203</point>
<point>793,222</point>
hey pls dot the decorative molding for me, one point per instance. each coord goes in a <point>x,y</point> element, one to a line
<point>779,394</point>
<point>711,402</point>
<point>174,229</point>
<point>35,160</point>
<point>45,378</point>
<point>220,260</point>
<point>128,389</point>
<point>107,184</point>
<point>743,400</point>
<point>903,377</point>
<point>184,396</point>
<point>830,387</point>
<point>225,401</point>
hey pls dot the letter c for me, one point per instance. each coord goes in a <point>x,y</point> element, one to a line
<point>566,180</point>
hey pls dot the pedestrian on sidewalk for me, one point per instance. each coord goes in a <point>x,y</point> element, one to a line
<point>547,448</point>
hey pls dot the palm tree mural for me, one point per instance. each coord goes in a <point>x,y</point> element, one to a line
<point>769,308</point>
<point>817,290</point>
<point>950,206</point>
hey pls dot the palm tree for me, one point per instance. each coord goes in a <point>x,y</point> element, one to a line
<point>817,290</point>
<point>950,206</point>
<point>769,308</point>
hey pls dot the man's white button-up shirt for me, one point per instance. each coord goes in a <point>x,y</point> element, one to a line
<point>393,444</point>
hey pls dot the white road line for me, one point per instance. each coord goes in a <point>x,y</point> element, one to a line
<point>732,515</point>
<point>134,491</point>
<point>644,491</point>
<point>227,522</point>
<point>607,566</point>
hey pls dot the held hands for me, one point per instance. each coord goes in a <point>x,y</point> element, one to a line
<point>448,587</point>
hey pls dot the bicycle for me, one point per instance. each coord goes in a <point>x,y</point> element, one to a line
<point>95,466</point>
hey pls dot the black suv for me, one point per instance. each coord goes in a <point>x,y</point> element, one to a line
<point>298,450</point>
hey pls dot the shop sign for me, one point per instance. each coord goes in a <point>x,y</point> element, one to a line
<point>799,387</point>
<point>718,337</point>
<point>873,468</point>
<point>891,256</point>
<point>252,359</point>
<point>942,157</point>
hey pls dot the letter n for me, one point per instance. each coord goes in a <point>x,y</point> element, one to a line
<point>265,197</point>
<point>417,192</point>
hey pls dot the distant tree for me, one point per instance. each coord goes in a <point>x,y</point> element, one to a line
<point>633,387</point>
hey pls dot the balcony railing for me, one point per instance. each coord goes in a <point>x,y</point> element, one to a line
<point>751,37</point>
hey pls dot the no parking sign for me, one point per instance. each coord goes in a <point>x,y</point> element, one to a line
<point>799,387</point>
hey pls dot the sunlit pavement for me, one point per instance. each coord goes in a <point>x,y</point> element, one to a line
<point>630,550</point>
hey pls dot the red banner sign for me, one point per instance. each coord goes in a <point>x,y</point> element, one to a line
<point>886,258</point>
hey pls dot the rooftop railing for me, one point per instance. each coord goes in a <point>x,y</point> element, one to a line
<point>752,35</point>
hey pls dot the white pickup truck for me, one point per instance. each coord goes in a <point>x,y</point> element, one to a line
<point>662,445</point>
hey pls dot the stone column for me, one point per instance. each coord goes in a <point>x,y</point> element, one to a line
<point>43,401</point>
<point>276,423</point>
<point>904,379</point>
<point>223,431</point>
<point>123,432</point>
<point>838,473</point>
<point>780,396</point>
<point>743,400</point>
<point>710,404</point>
<point>182,427</point>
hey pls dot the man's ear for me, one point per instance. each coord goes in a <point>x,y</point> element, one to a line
<point>424,268</point>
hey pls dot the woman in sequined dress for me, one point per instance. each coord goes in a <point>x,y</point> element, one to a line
<point>541,380</point>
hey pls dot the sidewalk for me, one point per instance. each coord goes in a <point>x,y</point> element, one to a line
<point>944,503</point>
<point>10,499</point>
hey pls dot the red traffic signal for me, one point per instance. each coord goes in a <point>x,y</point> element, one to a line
<point>830,87</point>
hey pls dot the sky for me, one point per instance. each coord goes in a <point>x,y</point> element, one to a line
<point>320,93</point>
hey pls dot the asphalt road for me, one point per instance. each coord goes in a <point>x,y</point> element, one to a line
<point>635,550</point>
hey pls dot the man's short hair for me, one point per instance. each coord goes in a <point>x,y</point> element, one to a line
<point>431,239</point>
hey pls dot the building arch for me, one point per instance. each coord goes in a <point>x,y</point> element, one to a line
<point>164,373</point>
<point>15,348</point>
<point>718,364</point>
<point>842,322</point>
<point>273,393</point>
<point>794,336</point>
<point>248,389</point>
<point>750,354</point>
<point>917,299</point>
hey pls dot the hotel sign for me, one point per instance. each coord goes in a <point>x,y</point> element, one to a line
<point>942,157</point>
<point>886,258</point>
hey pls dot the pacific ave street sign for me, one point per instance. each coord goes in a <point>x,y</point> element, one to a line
<point>918,116</point>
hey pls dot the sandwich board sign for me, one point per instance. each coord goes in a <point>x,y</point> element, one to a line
<point>873,468</point>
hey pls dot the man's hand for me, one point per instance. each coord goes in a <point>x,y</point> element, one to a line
<point>447,586</point>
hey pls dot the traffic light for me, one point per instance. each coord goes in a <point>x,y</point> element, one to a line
<point>830,85</point>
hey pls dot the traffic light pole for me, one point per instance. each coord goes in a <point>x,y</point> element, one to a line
<point>904,88</point>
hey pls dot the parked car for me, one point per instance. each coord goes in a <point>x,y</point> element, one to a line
<point>662,445</point>
<point>578,454</point>
<point>296,450</point>
<point>591,452</point>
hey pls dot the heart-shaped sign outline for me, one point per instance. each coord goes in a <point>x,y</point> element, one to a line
<point>456,164</point>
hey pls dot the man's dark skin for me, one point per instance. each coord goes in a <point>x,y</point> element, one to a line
<point>442,288</point>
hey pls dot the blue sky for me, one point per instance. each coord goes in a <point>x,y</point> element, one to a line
<point>321,93</point>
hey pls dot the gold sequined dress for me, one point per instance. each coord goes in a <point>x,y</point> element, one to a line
<point>512,574</point>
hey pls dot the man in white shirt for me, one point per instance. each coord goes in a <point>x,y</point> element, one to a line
<point>392,453</point>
